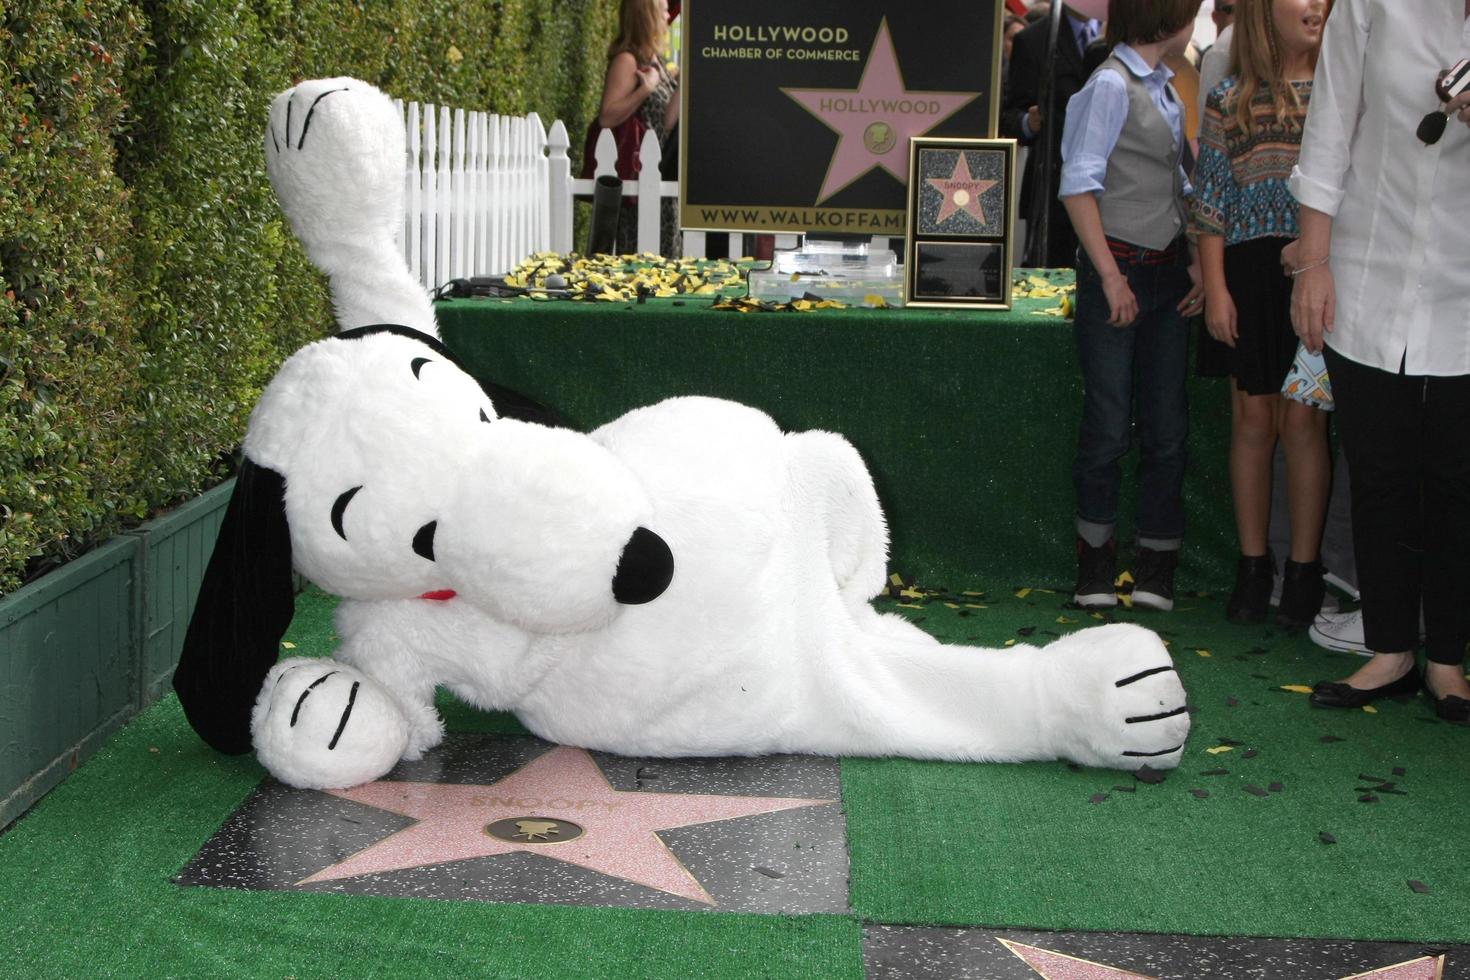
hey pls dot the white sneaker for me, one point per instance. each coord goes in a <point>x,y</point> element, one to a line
<point>1344,632</point>
<point>1340,631</point>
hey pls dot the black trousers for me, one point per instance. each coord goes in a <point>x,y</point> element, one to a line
<point>1407,440</point>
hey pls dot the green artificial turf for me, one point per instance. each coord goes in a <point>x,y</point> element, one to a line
<point>1024,845</point>
<point>85,885</point>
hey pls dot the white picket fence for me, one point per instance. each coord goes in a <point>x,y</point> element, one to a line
<point>484,191</point>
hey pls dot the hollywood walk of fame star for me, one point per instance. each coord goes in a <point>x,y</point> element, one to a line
<point>1051,965</point>
<point>1422,968</point>
<point>961,192</point>
<point>618,827</point>
<point>873,122</point>
<point>1059,966</point>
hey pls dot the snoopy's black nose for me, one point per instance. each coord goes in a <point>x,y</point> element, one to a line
<point>645,570</point>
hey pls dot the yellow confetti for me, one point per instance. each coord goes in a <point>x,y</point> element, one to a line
<point>896,578</point>
<point>909,605</point>
<point>972,593</point>
<point>975,605</point>
<point>1370,709</point>
<point>287,644</point>
<point>875,302</point>
<point>1064,620</point>
<point>1123,579</point>
<point>1011,642</point>
<point>1218,749</point>
<point>952,605</point>
<point>1098,615</point>
<point>1023,593</point>
<point>1297,688</point>
<point>912,594</point>
<point>1203,653</point>
<point>1126,600</point>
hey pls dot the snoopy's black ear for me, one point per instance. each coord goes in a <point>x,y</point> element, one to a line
<point>243,609</point>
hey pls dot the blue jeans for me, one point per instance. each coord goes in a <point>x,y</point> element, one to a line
<point>1147,361</point>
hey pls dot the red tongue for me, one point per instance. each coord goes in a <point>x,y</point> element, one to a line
<point>439,595</point>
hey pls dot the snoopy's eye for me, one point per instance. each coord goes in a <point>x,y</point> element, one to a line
<point>416,364</point>
<point>423,541</point>
<point>339,507</point>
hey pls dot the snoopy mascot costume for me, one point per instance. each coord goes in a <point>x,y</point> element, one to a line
<point>686,580</point>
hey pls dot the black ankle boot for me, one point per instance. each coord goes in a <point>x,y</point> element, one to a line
<point>1254,577</point>
<point>1301,594</point>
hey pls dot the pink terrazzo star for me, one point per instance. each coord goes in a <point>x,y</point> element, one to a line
<point>873,122</point>
<point>1059,966</point>
<point>961,192</point>
<point>564,784</point>
<point>1423,968</point>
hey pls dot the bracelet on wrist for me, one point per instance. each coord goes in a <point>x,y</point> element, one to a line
<point>1310,265</point>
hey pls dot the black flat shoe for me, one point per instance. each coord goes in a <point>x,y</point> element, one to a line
<point>1451,708</point>
<point>1340,694</point>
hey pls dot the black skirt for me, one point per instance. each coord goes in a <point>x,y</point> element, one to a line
<point>1265,343</point>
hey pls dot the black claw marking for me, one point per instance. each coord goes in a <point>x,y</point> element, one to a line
<point>483,416</point>
<point>339,507</point>
<point>302,700</point>
<point>273,138</point>
<point>306,125</point>
<point>346,713</point>
<point>290,102</point>
<point>1162,714</point>
<point>423,541</point>
<point>1145,755</point>
<point>1142,674</point>
<point>416,364</point>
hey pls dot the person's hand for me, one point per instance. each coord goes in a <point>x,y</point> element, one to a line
<point>1193,300</point>
<point>647,79</point>
<point>1122,304</point>
<point>1313,306</point>
<point>1289,256</point>
<point>1033,119</point>
<point>1459,107</point>
<point>1220,317</point>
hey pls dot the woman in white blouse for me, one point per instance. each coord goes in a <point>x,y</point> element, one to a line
<point>1382,274</point>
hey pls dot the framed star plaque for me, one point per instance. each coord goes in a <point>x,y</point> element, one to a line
<point>961,220</point>
<point>796,117</point>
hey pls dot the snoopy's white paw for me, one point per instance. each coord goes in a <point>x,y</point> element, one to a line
<point>332,144</point>
<point>319,724</point>
<point>1122,705</point>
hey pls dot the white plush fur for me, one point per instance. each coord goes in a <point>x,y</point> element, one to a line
<point>764,640</point>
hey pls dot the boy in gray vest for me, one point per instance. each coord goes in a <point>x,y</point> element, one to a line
<point>1123,185</point>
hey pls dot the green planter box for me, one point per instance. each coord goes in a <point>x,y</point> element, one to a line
<point>91,644</point>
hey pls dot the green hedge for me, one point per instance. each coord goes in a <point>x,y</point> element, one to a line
<point>150,284</point>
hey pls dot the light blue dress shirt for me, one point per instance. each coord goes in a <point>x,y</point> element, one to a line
<point>1095,119</point>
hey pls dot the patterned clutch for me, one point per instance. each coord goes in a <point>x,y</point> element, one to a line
<point>1307,381</point>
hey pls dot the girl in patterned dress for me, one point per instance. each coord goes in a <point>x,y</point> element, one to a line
<point>1244,215</point>
<point>638,82</point>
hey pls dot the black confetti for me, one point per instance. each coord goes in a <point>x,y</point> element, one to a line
<point>1326,838</point>
<point>1074,767</point>
<point>1275,787</point>
<point>1329,739</point>
<point>1026,630</point>
<point>1097,797</point>
<point>1200,793</point>
<point>1229,741</point>
<point>1368,798</point>
<point>1215,772</point>
<point>1395,792</point>
<point>1418,886</point>
<point>1262,677</point>
<point>1231,702</point>
<point>1255,790</point>
<point>1147,775</point>
<point>1371,779</point>
<point>1398,770</point>
<point>771,872</point>
<point>1126,789</point>
<point>1249,754</point>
